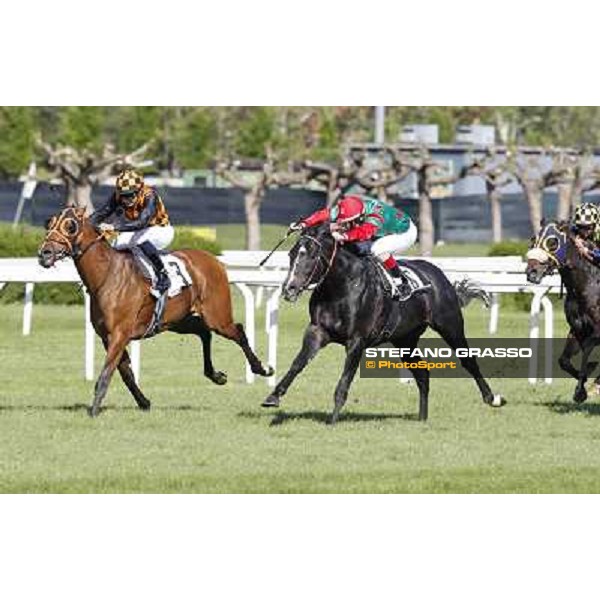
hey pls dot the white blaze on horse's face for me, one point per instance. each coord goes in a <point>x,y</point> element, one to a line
<point>538,263</point>
<point>291,287</point>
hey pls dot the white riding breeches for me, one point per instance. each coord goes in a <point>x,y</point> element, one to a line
<point>159,237</point>
<point>395,243</point>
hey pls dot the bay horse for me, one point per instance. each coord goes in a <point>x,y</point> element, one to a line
<point>122,307</point>
<point>553,250</point>
<point>350,306</point>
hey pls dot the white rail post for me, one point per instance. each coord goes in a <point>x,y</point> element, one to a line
<point>28,308</point>
<point>272,327</point>
<point>90,340</point>
<point>534,334</point>
<point>494,313</point>
<point>549,333</point>
<point>134,355</point>
<point>249,305</point>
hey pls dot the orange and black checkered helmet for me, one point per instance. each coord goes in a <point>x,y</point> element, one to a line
<point>129,182</point>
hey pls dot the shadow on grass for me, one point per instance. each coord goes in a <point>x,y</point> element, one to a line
<point>79,407</point>
<point>562,407</point>
<point>319,416</point>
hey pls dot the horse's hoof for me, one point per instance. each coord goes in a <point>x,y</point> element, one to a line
<point>92,412</point>
<point>271,402</point>
<point>268,372</point>
<point>580,396</point>
<point>497,401</point>
<point>218,377</point>
<point>145,406</point>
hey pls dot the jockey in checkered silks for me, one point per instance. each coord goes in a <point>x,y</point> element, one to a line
<point>140,219</point>
<point>585,224</point>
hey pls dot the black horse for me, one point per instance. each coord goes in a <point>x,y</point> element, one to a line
<point>553,249</point>
<point>351,306</point>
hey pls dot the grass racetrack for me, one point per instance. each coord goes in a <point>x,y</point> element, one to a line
<point>202,438</point>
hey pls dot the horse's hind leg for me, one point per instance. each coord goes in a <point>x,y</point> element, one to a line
<point>421,376</point>
<point>455,338</point>
<point>314,339</point>
<point>235,332</point>
<point>353,353</point>
<point>194,325</point>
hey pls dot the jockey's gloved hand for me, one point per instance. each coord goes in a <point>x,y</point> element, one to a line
<point>106,227</point>
<point>338,236</point>
<point>297,226</point>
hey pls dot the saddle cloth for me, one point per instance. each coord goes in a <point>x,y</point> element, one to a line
<point>175,267</point>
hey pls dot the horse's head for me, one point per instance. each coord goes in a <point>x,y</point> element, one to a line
<point>310,260</point>
<point>547,251</point>
<point>64,235</point>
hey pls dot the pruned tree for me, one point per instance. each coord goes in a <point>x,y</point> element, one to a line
<point>254,179</point>
<point>532,177</point>
<point>427,171</point>
<point>79,170</point>
<point>377,179</point>
<point>587,178</point>
<point>495,177</point>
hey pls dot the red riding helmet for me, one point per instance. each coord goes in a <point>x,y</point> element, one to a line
<point>349,208</point>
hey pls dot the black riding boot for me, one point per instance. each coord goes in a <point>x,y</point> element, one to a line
<point>162,279</point>
<point>403,286</point>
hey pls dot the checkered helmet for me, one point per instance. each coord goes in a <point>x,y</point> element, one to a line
<point>129,182</point>
<point>586,215</point>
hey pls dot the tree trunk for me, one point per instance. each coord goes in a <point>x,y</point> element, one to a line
<point>80,196</point>
<point>564,201</point>
<point>495,204</point>
<point>426,235</point>
<point>252,207</point>
<point>534,195</point>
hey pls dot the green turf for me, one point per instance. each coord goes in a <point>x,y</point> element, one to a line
<point>203,438</point>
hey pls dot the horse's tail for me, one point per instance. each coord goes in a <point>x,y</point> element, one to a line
<point>467,290</point>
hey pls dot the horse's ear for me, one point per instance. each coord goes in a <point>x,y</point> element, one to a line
<point>543,222</point>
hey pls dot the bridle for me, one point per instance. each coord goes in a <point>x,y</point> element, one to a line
<point>58,233</point>
<point>548,244</point>
<point>320,257</point>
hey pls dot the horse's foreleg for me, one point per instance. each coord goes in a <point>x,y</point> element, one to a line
<point>353,354</point>
<point>587,346</point>
<point>571,348</point>
<point>116,346</point>
<point>314,339</point>
<point>129,380</point>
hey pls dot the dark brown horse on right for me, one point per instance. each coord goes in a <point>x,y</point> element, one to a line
<point>122,306</point>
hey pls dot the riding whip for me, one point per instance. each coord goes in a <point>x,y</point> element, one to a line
<point>266,258</point>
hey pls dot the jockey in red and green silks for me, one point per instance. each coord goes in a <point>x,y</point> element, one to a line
<point>360,219</point>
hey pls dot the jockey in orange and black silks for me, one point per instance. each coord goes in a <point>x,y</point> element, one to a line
<point>139,217</point>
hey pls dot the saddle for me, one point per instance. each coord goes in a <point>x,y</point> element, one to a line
<point>414,280</point>
<point>175,267</point>
<point>178,276</point>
